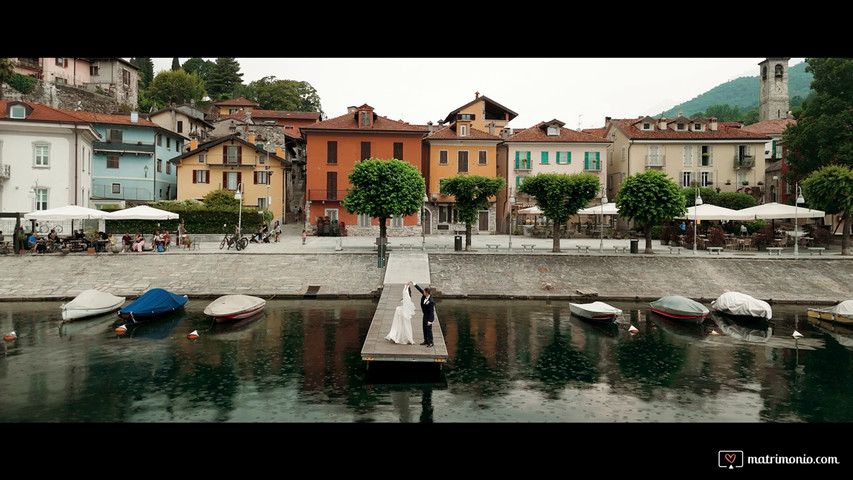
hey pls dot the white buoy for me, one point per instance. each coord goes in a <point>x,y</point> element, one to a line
<point>193,335</point>
<point>714,332</point>
<point>797,334</point>
<point>633,329</point>
<point>10,336</point>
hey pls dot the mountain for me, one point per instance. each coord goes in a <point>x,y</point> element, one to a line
<point>743,93</point>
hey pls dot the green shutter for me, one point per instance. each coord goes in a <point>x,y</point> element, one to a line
<point>544,159</point>
<point>517,154</point>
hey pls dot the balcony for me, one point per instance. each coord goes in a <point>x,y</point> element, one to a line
<point>111,146</point>
<point>523,165</point>
<point>654,161</point>
<point>317,195</point>
<point>745,161</point>
<point>592,167</point>
<point>104,192</point>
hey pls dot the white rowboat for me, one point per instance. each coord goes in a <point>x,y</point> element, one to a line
<point>90,303</point>
<point>234,307</point>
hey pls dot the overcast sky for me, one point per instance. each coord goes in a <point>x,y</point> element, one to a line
<point>580,92</point>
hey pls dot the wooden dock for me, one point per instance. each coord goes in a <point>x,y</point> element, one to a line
<point>377,348</point>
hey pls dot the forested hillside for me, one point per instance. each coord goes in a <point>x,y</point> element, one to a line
<point>743,93</point>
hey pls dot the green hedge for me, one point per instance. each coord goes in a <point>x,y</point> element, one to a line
<point>197,219</point>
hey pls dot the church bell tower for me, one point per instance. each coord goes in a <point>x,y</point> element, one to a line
<point>773,92</point>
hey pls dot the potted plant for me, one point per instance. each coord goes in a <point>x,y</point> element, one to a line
<point>745,183</point>
<point>715,237</point>
<point>728,181</point>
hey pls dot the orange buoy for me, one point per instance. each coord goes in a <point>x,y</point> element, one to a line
<point>10,336</point>
<point>633,329</point>
<point>193,335</point>
<point>121,329</point>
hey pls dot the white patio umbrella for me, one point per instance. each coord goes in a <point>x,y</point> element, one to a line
<point>68,212</point>
<point>773,210</point>
<point>142,212</point>
<point>608,209</point>
<point>706,211</point>
<point>534,210</point>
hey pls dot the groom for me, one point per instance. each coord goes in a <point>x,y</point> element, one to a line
<point>428,307</point>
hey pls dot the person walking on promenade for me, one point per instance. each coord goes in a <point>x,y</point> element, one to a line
<point>304,234</point>
<point>276,230</point>
<point>428,307</point>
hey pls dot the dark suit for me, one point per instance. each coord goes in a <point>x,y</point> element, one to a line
<point>428,307</point>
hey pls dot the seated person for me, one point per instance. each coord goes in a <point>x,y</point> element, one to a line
<point>100,241</point>
<point>126,243</point>
<point>167,239</point>
<point>79,235</point>
<point>138,242</point>
<point>54,238</point>
<point>32,241</point>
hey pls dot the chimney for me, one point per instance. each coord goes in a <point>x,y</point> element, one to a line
<point>134,117</point>
<point>252,138</point>
<point>476,94</point>
<point>193,144</point>
<point>662,123</point>
<point>713,124</point>
<point>279,152</point>
<point>429,124</point>
<point>352,109</point>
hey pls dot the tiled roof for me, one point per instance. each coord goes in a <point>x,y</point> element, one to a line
<point>285,114</point>
<point>724,131</point>
<point>236,101</point>
<point>539,133</point>
<point>491,106</point>
<point>448,132</point>
<point>42,112</point>
<point>771,127</point>
<point>114,119</point>
<point>349,121</point>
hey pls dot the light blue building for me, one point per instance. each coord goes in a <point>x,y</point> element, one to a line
<point>131,160</point>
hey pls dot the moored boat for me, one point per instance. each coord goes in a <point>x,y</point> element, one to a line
<point>596,311</point>
<point>152,304</point>
<point>841,313</point>
<point>680,308</point>
<point>741,305</point>
<point>90,303</point>
<point>234,307</point>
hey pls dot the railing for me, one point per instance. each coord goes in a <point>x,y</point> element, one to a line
<point>522,164</point>
<point>127,193</point>
<point>316,195</point>
<point>745,161</point>
<point>592,166</point>
<point>655,160</point>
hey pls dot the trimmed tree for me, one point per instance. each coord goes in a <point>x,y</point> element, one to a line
<point>382,189</point>
<point>560,196</point>
<point>472,194</point>
<point>650,198</point>
<point>831,189</point>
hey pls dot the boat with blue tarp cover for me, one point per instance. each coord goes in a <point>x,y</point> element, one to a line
<point>152,304</point>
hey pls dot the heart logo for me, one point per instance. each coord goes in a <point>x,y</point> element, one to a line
<point>731,457</point>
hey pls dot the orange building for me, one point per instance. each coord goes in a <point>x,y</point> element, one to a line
<point>332,149</point>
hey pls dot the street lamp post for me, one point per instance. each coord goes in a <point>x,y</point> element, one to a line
<point>603,201</point>
<point>511,219</point>
<point>696,203</point>
<point>797,201</point>
<point>423,223</point>
<point>238,195</point>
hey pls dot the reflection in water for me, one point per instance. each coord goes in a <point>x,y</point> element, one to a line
<point>509,361</point>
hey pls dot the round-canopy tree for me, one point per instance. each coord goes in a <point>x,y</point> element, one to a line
<point>384,188</point>
<point>650,198</point>
<point>560,196</point>
<point>472,194</point>
<point>831,189</point>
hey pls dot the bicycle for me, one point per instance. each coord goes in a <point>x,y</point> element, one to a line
<point>236,239</point>
<point>46,228</point>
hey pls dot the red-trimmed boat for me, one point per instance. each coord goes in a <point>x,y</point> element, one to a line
<point>680,308</point>
<point>596,311</point>
<point>234,307</point>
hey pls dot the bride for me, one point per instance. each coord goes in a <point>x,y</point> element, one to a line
<point>401,326</point>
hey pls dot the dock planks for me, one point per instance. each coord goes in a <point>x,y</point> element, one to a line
<point>378,349</point>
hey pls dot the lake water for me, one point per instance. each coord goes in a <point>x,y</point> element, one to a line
<point>509,361</point>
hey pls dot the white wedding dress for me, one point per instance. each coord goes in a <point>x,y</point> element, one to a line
<point>401,326</point>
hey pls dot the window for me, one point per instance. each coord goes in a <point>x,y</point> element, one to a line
<point>41,198</point>
<point>687,156</point>
<point>706,178</point>
<point>42,154</point>
<point>262,203</point>
<point>446,214</point>
<point>365,150</point>
<point>686,178</point>
<point>61,62</point>
<point>261,159</point>
<point>543,158</point>
<point>159,139</point>
<point>397,221</point>
<point>647,126</point>
<point>168,143</point>
<point>332,153</point>
<point>707,156</point>
<point>115,188</point>
<point>398,150</point>
<point>262,177</point>
<point>522,160</point>
<point>114,135</point>
<point>442,157</point>
<point>230,180</point>
<point>331,185</point>
<point>553,131</point>
<point>564,158</point>
<point>125,77</point>
<point>697,127</point>
<point>159,165</point>
<point>680,126</point>
<point>592,160</point>
<point>180,126</point>
<point>462,161</point>
<point>482,157</point>
<point>112,161</point>
<point>201,176</point>
<point>17,111</point>
<point>60,81</point>
<point>168,168</point>
<point>364,119</point>
<point>463,130</point>
<point>363,220</point>
<point>232,153</point>
<point>202,158</point>
<point>93,70</point>
<point>466,117</point>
